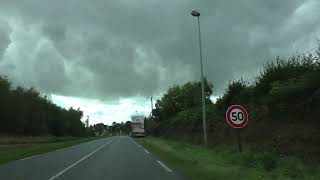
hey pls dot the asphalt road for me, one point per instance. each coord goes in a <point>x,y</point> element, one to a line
<point>114,158</point>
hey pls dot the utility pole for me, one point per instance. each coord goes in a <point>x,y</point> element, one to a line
<point>87,121</point>
<point>151,108</point>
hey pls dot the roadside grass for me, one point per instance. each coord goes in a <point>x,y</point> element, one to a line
<point>5,140</point>
<point>10,151</point>
<point>225,162</point>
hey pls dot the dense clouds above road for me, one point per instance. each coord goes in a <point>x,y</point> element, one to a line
<point>124,48</point>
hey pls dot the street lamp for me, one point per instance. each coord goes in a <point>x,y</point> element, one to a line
<point>151,113</point>
<point>195,13</point>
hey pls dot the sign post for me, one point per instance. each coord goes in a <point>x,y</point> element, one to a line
<point>238,118</point>
<point>239,141</point>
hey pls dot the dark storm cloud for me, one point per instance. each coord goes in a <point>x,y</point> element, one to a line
<point>125,47</point>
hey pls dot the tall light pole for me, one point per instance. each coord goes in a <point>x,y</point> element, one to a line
<point>195,13</point>
<point>151,113</point>
<point>151,108</point>
<point>87,121</point>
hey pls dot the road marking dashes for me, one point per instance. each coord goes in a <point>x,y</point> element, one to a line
<point>159,162</point>
<point>164,166</point>
<point>79,161</point>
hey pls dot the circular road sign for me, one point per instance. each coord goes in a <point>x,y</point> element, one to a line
<point>237,116</point>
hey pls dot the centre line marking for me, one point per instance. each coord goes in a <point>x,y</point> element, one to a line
<point>72,165</point>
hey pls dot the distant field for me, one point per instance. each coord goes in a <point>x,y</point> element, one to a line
<point>225,162</point>
<point>13,148</point>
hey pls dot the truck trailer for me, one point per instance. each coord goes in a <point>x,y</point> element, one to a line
<point>137,124</point>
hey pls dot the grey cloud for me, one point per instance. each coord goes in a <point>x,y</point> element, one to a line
<point>4,37</point>
<point>56,33</point>
<point>49,70</point>
<point>122,48</point>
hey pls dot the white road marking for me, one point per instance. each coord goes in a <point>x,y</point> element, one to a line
<point>164,166</point>
<point>29,157</point>
<point>72,165</point>
<point>134,142</point>
<point>146,151</point>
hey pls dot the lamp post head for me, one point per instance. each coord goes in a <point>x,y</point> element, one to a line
<point>195,13</point>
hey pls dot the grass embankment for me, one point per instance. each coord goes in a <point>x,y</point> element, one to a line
<point>225,162</point>
<point>13,148</point>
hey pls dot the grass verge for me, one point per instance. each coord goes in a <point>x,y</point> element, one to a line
<point>224,162</point>
<point>6,140</point>
<point>10,152</point>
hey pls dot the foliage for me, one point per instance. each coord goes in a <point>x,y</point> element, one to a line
<point>265,160</point>
<point>114,129</point>
<point>180,98</point>
<point>178,107</point>
<point>287,91</point>
<point>27,112</point>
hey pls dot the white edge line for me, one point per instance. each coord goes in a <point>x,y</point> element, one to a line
<point>164,166</point>
<point>134,142</point>
<point>72,165</point>
<point>146,151</point>
<point>30,157</point>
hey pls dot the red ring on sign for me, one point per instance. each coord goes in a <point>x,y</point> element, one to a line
<point>245,120</point>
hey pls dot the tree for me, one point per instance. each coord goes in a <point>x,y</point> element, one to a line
<point>27,112</point>
<point>126,127</point>
<point>100,128</point>
<point>180,98</point>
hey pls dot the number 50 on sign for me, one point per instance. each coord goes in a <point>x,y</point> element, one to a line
<point>237,116</point>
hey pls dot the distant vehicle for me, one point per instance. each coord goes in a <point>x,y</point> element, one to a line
<point>137,124</point>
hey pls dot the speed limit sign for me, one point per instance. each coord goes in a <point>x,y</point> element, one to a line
<point>237,116</point>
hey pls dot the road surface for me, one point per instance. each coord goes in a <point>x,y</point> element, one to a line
<point>114,158</point>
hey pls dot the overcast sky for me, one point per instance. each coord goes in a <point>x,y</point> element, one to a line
<point>107,56</point>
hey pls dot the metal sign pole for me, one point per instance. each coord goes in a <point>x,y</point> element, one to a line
<point>239,140</point>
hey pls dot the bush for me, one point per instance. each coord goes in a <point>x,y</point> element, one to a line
<point>269,161</point>
<point>293,168</point>
<point>249,160</point>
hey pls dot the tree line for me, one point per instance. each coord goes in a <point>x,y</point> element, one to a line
<point>115,128</point>
<point>27,112</point>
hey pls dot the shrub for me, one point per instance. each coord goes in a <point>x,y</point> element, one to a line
<point>269,161</point>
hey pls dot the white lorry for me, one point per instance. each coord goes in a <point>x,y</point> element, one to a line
<point>137,124</point>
